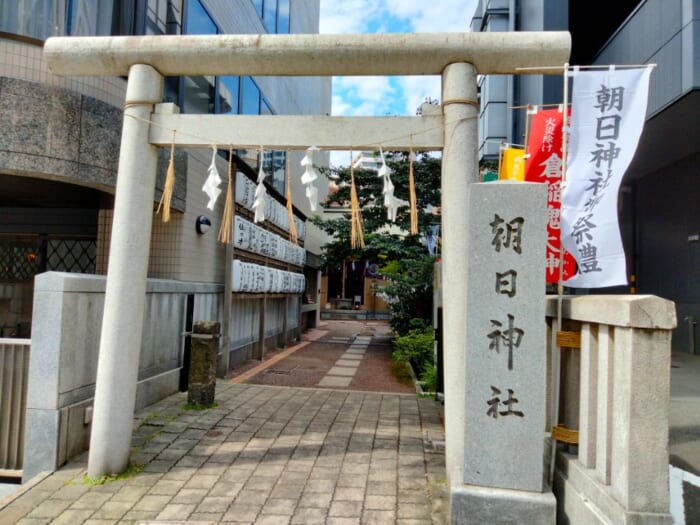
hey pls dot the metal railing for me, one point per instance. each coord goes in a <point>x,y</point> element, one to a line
<point>14,370</point>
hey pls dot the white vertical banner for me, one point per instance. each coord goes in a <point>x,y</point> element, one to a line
<point>608,110</point>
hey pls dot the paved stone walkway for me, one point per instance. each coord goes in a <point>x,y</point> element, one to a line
<point>265,455</point>
<point>345,367</point>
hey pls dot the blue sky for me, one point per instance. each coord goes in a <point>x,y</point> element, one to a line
<point>372,96</point>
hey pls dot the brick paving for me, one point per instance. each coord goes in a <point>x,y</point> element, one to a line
<point>264,455</point>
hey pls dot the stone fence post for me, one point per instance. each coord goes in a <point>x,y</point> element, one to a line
<point>205,347</point>
<point>621,472</point>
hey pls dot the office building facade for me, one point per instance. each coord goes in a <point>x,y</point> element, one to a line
<point>659,215</point>
<point>59,146</point>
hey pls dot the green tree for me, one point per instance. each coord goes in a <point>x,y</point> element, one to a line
<point>402,257</point>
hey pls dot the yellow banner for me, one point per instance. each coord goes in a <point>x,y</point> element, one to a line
<point>512,164</point>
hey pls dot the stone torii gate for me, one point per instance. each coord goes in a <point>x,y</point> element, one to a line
<point>457,57</point>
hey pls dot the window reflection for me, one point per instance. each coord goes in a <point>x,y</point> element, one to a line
<point>90,17</point>
<point>198,21</point>
<point>250,97</point>
<point>199,93</point>
<point>33,18</point>
<point>228,95</point>
<point>274,162</point>
<point>283,16</point>
<point>270,16</point>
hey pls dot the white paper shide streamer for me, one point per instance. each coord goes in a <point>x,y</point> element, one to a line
<point>212,182</point>
<point>391,203</point>
<point>260,192</point>
<point>309,177</point>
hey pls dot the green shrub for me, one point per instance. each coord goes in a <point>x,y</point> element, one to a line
<point>417,348</point>
<point>430,378</point>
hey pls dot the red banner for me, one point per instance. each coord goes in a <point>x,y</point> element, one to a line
<point>544,163</point>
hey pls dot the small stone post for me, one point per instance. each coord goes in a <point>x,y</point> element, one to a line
<point>205,347</point>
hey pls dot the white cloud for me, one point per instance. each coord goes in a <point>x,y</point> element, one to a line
<point>369,95</point>
<point>377,16</point>
<point>417,89</point>
<point>434,17</point>
<point>347,16</point>
<point>389,95</point>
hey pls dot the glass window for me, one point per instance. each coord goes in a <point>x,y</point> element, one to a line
<point>250,97</point>
<point>33,18</point>
<point>228,95</point>
<point>124,21</point>
<point>198,93</point>
<point>270,16</point>
<point>283,17</point>
<point>90,17</point>
<point>274,162</point>
<point>258,7</point>
<point>156,17</point>
<point>265,108</point>
<point>197,20</point>
<point>276,171</point>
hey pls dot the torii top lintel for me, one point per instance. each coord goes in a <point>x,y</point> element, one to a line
<point>309,54</point>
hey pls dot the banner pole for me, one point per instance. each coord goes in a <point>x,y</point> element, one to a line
<point>528,116</point>
<point>556,351</point>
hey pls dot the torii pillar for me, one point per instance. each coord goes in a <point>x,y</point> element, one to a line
<point>458,57</point>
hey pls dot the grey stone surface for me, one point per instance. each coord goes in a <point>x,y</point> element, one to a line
<point>348,356</point>
<point>505,361</point>
<point>349,363</point>
<point>583,499</point>
<point>342,371</point>
<point>335,381</point>
<point>66,136</point>
<point>40,442</point>
<point>42,389</point>
<point>45,121</point>
<point>471,505</point>
<point>65,338</point>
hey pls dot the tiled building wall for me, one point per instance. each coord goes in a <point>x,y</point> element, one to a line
<point>177,251</point>
<point>25,61</point>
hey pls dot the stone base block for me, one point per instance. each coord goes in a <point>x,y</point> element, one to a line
<point>470,504</point>
<point>584,499</point>
<point>201,394</point>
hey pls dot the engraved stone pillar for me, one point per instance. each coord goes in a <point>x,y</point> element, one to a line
<point>505,369</point>
<point>205,347</point>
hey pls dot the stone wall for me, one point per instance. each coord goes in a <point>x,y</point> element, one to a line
<point>65,346</point>
<point>56,134</point>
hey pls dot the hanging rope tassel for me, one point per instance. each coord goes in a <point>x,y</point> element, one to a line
<point>290,212</point>
<point>357,238</point>
<point>412,193</point>
<point>227,219</point>
<point>167,195</point>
